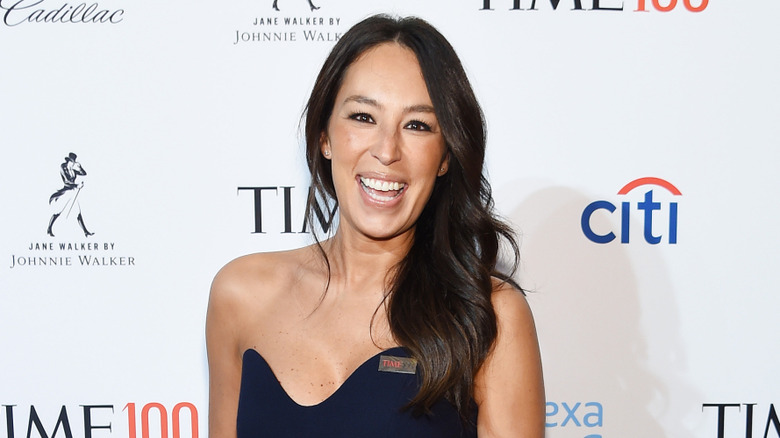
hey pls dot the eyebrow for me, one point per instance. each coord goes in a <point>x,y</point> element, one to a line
<point>421,108</point>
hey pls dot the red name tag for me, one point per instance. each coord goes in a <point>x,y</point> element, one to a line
<point>395,364</point>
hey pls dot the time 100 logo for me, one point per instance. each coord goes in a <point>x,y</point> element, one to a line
<point>154,421</point>
<point>602,5</point>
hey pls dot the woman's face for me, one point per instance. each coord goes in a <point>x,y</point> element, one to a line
<point>384,142</point>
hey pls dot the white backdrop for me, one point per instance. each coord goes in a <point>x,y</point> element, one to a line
<point>179,113</point>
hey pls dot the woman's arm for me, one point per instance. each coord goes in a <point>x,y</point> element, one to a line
<point>509,389</point>
<point>222,335</point>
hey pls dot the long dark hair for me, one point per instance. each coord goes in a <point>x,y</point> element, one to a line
<point>439,305</point>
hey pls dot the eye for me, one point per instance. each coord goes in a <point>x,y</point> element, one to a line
<point>362,117</point>
<point>417,125</point>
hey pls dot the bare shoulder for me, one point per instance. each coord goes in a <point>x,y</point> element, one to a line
<point>242,292</point>
<point>510,305</point>
<point>249,285</point>
<point>250,268</point>
<point>238,282</point>
<point>517,341</point>
<point>245,276</point>
<point>509,388</point>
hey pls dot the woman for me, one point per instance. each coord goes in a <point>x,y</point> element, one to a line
<point>399,324</point>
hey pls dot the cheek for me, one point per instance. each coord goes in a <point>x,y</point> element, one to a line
<point>345,141</point>
<point>432,155</point>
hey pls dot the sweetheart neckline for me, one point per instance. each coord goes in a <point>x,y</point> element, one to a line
<point>331,395</point>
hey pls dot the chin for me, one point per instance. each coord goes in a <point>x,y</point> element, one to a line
<point>383,230</point>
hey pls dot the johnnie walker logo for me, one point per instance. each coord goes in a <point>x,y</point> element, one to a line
<point>67,218</point>
<point>311,5</point>
<point>66,200</point>
<point>300,27</point>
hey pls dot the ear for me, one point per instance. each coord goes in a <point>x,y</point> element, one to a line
<point>445,165</point>
<point>325,145</point>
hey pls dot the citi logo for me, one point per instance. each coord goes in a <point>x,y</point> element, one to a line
<point>651,210</point>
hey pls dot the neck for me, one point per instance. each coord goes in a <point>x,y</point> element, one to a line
<point>359,263</point>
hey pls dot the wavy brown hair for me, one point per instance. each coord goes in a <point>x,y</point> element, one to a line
<point>438,296</point>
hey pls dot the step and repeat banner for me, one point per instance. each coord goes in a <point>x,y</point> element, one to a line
<point>634,145</point>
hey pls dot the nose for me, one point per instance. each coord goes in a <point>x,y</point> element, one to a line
<point>386,148</point>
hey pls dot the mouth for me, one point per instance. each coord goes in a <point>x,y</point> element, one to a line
<point>381,190</point>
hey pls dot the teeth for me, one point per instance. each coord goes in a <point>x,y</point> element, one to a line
<point>382,186</point>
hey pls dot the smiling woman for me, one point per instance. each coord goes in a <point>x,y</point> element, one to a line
<point>384,143</point>
<point>399,324</point>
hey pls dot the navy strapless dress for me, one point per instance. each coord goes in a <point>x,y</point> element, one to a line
<point>367,405</point>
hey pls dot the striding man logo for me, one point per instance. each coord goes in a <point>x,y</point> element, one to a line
<point>311,5</point>
<point>66,200</point>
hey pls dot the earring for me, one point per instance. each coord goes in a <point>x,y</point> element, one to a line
<point>327,152</point>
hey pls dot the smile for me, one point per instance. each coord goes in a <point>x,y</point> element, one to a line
<point>380,190</point>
